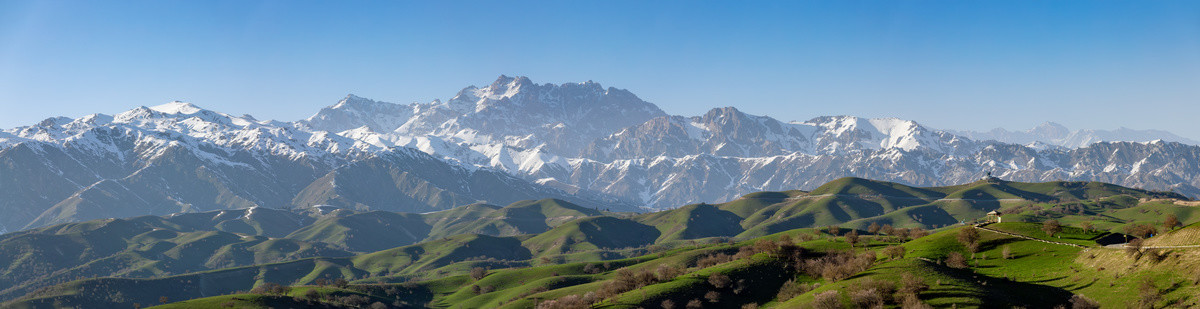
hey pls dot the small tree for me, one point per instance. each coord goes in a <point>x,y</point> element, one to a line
<point>1087,226</point>
<point>1148,293</point>
<point>1078,301</point>
<point>695,304</point>
<point>867,298</point>
<point>719,280</point>
<point>1171,222</point>
<point>873,228</point>
<point>1134,248</point>
<point>956,260</point>
<point>911,284</point>
<point>713,296</point>
<point>969,237</point>
<point>1006,253</point>
<point>668,304</point>
<point>163,300</point>
<point>835,230</point>
<point>852,238</point>
<point>894,252</point>
<point>888,230</point>
<point>1051,227</point>
<point>1140,230</point>
<point>478,273</point>
<point>827,300</point>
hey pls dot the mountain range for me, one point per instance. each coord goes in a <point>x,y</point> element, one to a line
<point>601,148</point>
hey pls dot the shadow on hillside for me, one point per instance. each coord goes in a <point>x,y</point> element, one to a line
<point>1000,292</point>
<point>993,244</point>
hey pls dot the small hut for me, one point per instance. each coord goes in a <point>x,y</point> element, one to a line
<point>994,216</point>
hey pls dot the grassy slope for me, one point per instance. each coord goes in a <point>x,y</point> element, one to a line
<point>588,239</point>
<point>1039,275</point>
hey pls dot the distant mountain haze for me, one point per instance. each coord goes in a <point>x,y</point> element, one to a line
<point>600,148</point>
<point>1050,133</point>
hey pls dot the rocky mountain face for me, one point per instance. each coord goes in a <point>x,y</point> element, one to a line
<point>513,140</point>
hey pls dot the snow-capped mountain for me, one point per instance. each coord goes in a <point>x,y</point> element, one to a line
<point>178,157</point>
<point>513,139</point>
<point>512,111</point>
<point>731,133</point>
<point>1054,134</point>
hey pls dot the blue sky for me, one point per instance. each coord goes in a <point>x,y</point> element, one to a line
<point>946,64</point>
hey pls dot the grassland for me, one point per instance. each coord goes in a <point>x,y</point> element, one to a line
<point>551,251</point>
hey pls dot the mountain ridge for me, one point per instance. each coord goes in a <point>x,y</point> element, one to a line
<point>581,141</point>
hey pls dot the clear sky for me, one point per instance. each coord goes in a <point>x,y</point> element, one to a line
<point>946,64</point>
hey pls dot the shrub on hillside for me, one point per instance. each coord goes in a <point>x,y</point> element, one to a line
<point>713,296</point>
<point>713,260</point>
<point>666,272</point>
<point>1134,248</point>
<point>570,302</point>
<point>827,300</point>
<point>354,300</point>
<point>478,273</point>
<point>1148,293</point>
<point>1051,227</point>
<point>1171,222</point>
<point>873,228</point>
<point>868,298</point>
<point>884,289</point>
<point>956,260</point>
<point>911,301</point>
<point>1078,301</point>
<point>792,289</point>
<point>911,284</point>
<point>894,252</point>
<point>839,265</point>
<point>271,288</point>
<point>719,280</point>
<point>969,237</point>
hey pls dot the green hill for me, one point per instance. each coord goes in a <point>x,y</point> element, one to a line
<point>549,249</point>
<point>366,232</point>
<point>520,218</point>
<point>693,222</point>
<point>592,234</point>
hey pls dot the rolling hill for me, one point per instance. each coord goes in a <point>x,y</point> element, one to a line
<point>223,252</point>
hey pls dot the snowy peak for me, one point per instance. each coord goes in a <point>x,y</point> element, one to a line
<point>177,107</point>
<point>353,101</point>
<point>353,112</point>
<point>848,133</point>
<point>559,118</point>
